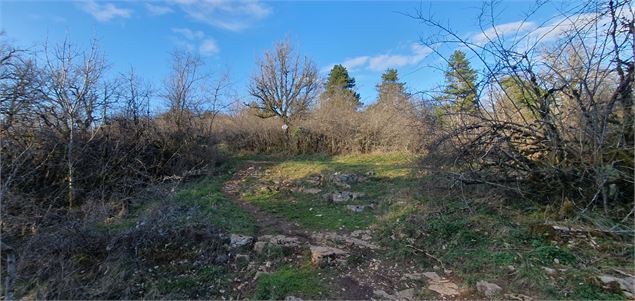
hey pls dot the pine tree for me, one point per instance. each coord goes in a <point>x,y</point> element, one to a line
<point>460,83</point>
<point>340,86</point>
<point>390,90</point>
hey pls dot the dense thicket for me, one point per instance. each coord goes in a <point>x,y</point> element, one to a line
<point>552,118</point>
<point>70,136</point>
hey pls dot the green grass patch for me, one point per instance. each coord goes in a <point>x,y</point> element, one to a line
<point>207,196</point>
<point>302,282</point>
<point>192,283</point>
<point>310,211</point>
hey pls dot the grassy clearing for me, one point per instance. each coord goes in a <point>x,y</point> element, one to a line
<point>389,174</point>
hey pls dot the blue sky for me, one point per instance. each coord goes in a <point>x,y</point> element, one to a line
<point>365,36</point>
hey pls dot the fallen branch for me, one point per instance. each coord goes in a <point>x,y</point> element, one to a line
<point>427,254</point>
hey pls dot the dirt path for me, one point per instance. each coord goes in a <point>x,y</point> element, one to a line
<point>372,276</point>
<point>266,223</point>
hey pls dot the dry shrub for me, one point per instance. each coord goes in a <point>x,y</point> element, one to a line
<point>555,121</point>
<point>77,260</point>
<point>332,128</point>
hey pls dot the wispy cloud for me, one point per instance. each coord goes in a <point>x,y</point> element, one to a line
<point>384,61</point>
<point>104,12</point>
<point>502,30</point>
<point>209,47</point>
<point>356,62</point>
<point>193,40</point>
<point>233,15</point>
<point>158,10</point>
<point>559,27</point>
<point>529,33</point>
<point>189,34</point>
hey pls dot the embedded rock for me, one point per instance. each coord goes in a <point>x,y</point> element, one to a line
<point>321,256</point>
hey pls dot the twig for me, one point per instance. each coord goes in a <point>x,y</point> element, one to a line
<point>428,254</point>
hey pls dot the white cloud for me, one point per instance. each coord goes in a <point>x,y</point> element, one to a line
<point>384,61</point>
<point>158,10</point>
<point>530,33</point>
<point>189,39</point>
<point>209,47</point>
<point>104,12</point>
<point>234,15</point>
<point>502,30</point>
<point>560,27</point>
<point>189,34</point>
<point>355,62</point>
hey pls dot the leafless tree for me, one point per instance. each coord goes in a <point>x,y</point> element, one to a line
<point>182,87</point>
<point>71,93</point>
<point>285,84</point>
<point>135,94</point>
<point>218,96</point>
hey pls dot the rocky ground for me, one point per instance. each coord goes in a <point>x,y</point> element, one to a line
<point>351,264</point>
<point>372,278</point>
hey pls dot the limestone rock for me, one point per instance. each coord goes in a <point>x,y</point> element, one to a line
<point>280,240</point>
<point>488,289</point>
<point>321,256</point>
<point>407,294</point>
<point>277,240</point>
<point>332,237</point>
<point>433,276</point>
<point>627,284</point>
<point>344,179</point>
<point>362,234</point>
<point>311,190</point>
<point>445,288</point>
<point>549,271</point>
<point>381,294</point>
<point>259,246</point>
<point>343,196</point>
<point>238,241</point>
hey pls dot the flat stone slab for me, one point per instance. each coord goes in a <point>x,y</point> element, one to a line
<point>321,255</point>
<point>445,288</point>
<point>488,289</point>
<point>338,239</point>
<point>237,240</point>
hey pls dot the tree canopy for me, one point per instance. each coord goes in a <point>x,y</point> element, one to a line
<point>460,83</point>
<point>340,86</point>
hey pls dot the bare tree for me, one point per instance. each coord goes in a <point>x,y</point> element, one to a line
<point>135,94</point>
<point>182,87</point>
<point>218,95</point>
<point>71,93</point>
<point>284,84</point>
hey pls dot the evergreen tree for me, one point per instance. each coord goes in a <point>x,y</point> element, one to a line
<point>460,83</point>
<point>340,86</point>
<point>391,91</point>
